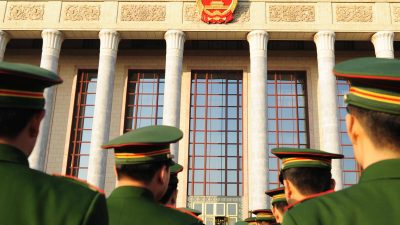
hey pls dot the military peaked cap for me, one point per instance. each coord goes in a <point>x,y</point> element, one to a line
<point>176,168</point>
<point>277,195</point>
<point>22,85</point>
<point>145,145</point>
<point>250,220</point>
<point>264,215</point>
<point>304,157</point>
<point>374,83</point>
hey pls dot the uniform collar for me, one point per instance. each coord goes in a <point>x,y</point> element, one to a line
<point>132,192</point>
<point>11,154</point>
<point>381,170</point>
<point>308,198</point>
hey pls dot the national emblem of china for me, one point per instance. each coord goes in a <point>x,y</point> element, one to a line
<point>216,11</point>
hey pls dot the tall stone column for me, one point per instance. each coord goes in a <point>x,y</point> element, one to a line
<point>175,40</point>
<point>258,144</point>
<point>327,99</point>
<point>109,40</point>
<point>52,40</point>
<point>4,38</point>
<point>383,44</point>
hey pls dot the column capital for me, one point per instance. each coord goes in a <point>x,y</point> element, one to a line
<point>258,39</point>
<point>325,40</point>
<point>383,44</point>
<point>175,39</point>
<point>109,40</point>
<point>52,40</point>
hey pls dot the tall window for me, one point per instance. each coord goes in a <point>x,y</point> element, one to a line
<point>215,154</point>
<point>79,147</point>
<point>351,170</point>
<point>287,116</point>
<point>144,99</point>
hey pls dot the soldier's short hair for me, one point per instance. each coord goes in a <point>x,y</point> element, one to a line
<point>281,205</point>
<point>383,128</point>
<point>13,121</point>
<point>140,172</point>
<point>309,180</point>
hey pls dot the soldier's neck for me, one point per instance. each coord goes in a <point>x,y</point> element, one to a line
<point>18,143</point>
<point>130,182</point>
<point>367,152</point>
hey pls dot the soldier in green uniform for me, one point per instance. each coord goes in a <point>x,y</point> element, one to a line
<point>27,196</point>
<point>143,161</point>
<point>305,173</point>
<point>373,126</point>
<point>264,217</point>
<point>170,195</point>
<point>169,198</point>
<point>278,202</point>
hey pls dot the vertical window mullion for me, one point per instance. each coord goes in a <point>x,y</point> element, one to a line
<point>205,135</point>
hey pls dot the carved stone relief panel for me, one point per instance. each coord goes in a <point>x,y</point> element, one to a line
<point>291,13</point>
<point>142,12</point>
<point>396,14</point>
<point>354,13</point>
<point>82,13</point>
<point>241,13</point>
<point>25,11</point>
<point>191,13</point>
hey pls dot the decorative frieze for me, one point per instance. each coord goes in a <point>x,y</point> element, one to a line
<point>140,12</point>
<point>242,14</point>
<point>291,13</point>
<point>396,14</point>
<point>82,13</point>
<point>190,12</point>
<point>354,13</point>
<point>25,12</point>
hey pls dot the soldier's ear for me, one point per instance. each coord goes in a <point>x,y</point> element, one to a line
<point>164,174</point>
<point>276,214</point>
<point>354,129</point>
<point>34,124</point>
<point>288,189</point>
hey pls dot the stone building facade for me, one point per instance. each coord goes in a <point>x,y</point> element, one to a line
<point>236,89</point>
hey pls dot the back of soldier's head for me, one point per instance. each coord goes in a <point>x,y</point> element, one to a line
<point>139,172</point>
<point>143,153</point>
<point>373,97</point>
<point>308,170</point>
<point>278,199</point>
<point>280,206</point>
<point>21,95</point>
<point>309,180</point>
<point>382,128</point>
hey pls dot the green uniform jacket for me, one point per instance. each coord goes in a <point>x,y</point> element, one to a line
<point>30,197</point>
<point>374,200</point>
<point>137,206</point>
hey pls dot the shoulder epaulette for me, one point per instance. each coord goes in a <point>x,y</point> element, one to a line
<point>186,212</point>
